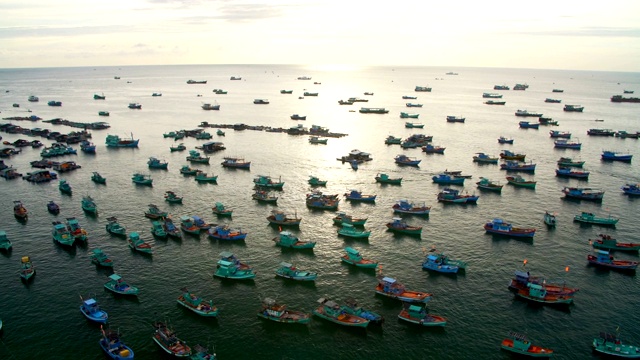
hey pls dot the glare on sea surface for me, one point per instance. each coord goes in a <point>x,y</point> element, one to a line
<point>333,67</point>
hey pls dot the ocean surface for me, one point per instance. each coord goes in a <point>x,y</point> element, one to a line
<point>42,318</point>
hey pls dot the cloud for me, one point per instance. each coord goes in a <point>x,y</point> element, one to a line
<point>593,31</point>
<point>47,31</point>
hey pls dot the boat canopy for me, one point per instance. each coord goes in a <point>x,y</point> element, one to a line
<point>90,302</point>
<point>115,277</point>
<point>285,233</point>
<point>226,254</point>
<point>352,251</point>
<point>225,263</point>
<point>389,280</point>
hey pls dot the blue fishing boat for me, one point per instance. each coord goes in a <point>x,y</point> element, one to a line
<point>288,271</point>
<point>440,262</point>
<point>569,172</point>
<point>64,187</point>
<point>405,160</point>
<point>604,259</point>
<point>433,149</point>
<point>119,286</point>
<point>453,196</point>
<point>61,234</point>
<point>92,311</point>
<point>400,226</point>
<point>511,165</point>
<point>224,232</point>
<point>583,193</point>
<point>567,144</point>
<point>53,208</point>
<point>485,159</point>
<point>447,179</point>
<point>155,163</point>
<point>237,163</point>
<point>196,304</point>
<point>616,156</point>
<point>200,223</point>
<point>317,200</point>
<point>114,348</point>
<point>355,195</point>
<point>631,189</point>
<point>611,345</point>
<point>504,140</point>
<point>418,315</point>
<point>560,134</point>
<point>88,147</point>
<point>407,207</point>
<point>88,205</point>
<point>500,227</point>
<point>142,179</point>
<point>351,307</point>
<point>171,229</point>
<point>114,228</point>
<point>528,125</point>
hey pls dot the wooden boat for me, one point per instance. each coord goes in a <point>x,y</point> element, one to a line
<point>288,271</point>
<point>99,258</point>
<point>172,198</point>
<point>485,159</point>
<point>539,294</point>
<point>601,132</point>
<point>549,219</point>
<point>356,195</point>
<point>508,155</point>
<point>279,217</point>
<point>179,147</point>
<point>500,227</point>
<point>412,125</point>
<point>405,160</point>
<point>519,344</point>
<point>609,155</point>
<point>53,208</point>
<point>418,315</point>
<point>447,179</point>
<point>171,229</point>
<point>27,270</point>
<point>219,132</point>
<point>98,179</point>
<point>504,140</point>
<point>187,224</point>
<point>512,165</point>
<point>568,162</point>
<point>392,288</point>
<point>19,211</point>
<point>522,279</point>
<point>142,179</point>
<point>486,184</point>
<point>528,125</point>
<point>317,140</point>
<point>116,141</point>
<point>348,230</point>
<point>330,310</point>
<point>495,102</point>
<point>157,229</point>
<point>606,242</point>
<point>591,218</point>
<point>404,115</point>
<point>567,144</point>
<point>385,179</point>
<point>136,243</point>
<point>88,205</point>
<point>267,182</point>
<point>439,262</point>
<point>62,235</point>
<point>453,119</point>
<point>392,140</point>
<point>186,170</point>
<point>114,347</point>
<point>271,310</point>
<point>154,212</point>
<point>237,163</point>
<point>611,345</point>
<point>224,232</point>
<point>287,240</point>
<point>119,286</point>
<point>195,157</point>
<point>5,243</point>
<point>197,304</point>
<point>343,218</point>
<point>90,309</point>
<point>230,270</point>
<point>315,181</point>
<point>631,189</point>
<point>433,149</point>
<point>220,210</point>
<point>400,226</point>
<point>405,207</point>
<point>351,307</point>
<point>560,134</point>
<point>448,195</point>
<point>88,147</point>
<point>569,172</point>
<point>168,341</point>
<point>583,193</point>
<point>264,196</point>
<point>353,257</point>
<point>604,259</point>
<point>518,180</point>
<point>75,229</point>
<point>317,200</point>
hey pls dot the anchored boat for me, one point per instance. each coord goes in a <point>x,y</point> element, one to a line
<point>271,310</point>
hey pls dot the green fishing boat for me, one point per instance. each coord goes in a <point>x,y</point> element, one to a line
<point>518,180</point>
<point>114,228</point>
<point>348,230</point>
<point>519,344</point>
<point>288,271</point>
<point>271,310</point>
<point>186,170</point>
<point>136,243</point>
<point>203,177</point>
<point>590,218</point>
<point>5,243</point>
<point>64,187</point>
<point>568,162</point>
<point>400,226</point>
<point>155,213</point>
<point>606,242</point>
<point>99,258</point>
<point>196,304</point>
<point>179,147</point>
<point>418,315</point>
<point>119,286</point>
<point>315,181</point>
<point>172,198</point>
<point>88,205</point>
<point>353,257</point>
<point>142,179</point>
<point>385,179</point>
<point>229,270</point>
<point>98,179</point>
<point>287,240</point>
<point>268,182</point>
<point>343,218</point>
<point>157,229</point>
<point>351,307</point>
<point>62,235</point>
<point>220,210</point>
<point>611,345</point>
<point>330,310</point>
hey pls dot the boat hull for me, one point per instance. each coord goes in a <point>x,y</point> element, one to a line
<point>359,323</point>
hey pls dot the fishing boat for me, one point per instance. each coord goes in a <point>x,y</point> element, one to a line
<point>53,208</point>
<point>5,243</point>
<point>343,218</point>
<point>512,165</point>
<point>522,279</point>
<point>142,179</point>
<point>609,155</point>
<point>406,207</point>
<point>486,184</point>
<point>315,181</point>
<point>171,229</point>
<point>631,189</point>
<point>491,96</point>
<point>574,108</point>
<point>627,135</point>
<point>418,315</point>
<point>172,198</point>
<point>196,157</point>
<point>604,259</point>
<point>288,271</point>
<point>90,309</point>
<point>549,219</point>
<point>317,200</point>
<point>590,218</point>
<point>500,227</point>
<point>433,149</point>
<point>351,307</point>
<point>116,141</point>
<point>230,270</point>
<point>103,113</point>
<point>568,162</point>
<point>236,163</point>
<point>62,235</point>
<point>134,106</point>
<point>288,240</point>
<point>268,182</point>
<point>136,243</point>
<point>157,229</point>
<point>286,91</point>
<point>119,286</point>
<point>518,180</point>
<point>453,196</point>
<point>114,348</point>
<point>385,179</point>
<point>404,115</point>
<point>26,268</point>
<point>317,140</point>
<point>392,140</point>
<point>485,159</point>
<point>220,210</point>
<point>88,205</point>
<point>155,213</point>
<point>606,242</point>
<point>347,230</point>
<point>601,132</point>
<point>519,344</point>
<point>53,103</point>
<point>219,132</point>
<point>224,232</point>
<point>353,257</point>
<point>405,160</point>
<point>356,195</point>
<point>390,287</point>
<point>155,163</point>
<point>447,179</point>
<point>188,225</point>
<point>538,293</point>
<point>583,193</point>
<point>569,172</point>
<point>186,170</point>
<point>611,345</point>
<point>88,147</point>
<point>567,144</point>
<point>19,211</point>
<point>197,304</point>
<point>412,125</point>
<point>330,310</point>
<point>400,226</point>
<point>200,352</point>
<point>76,230</point>
<point>504,140</point>
<point>179,147</point>
<point>271,310</point>
<point>99,258</point>
<point>264,196</point>
<point>560,134</point>
<point>439,262</point>
<point>168,341</point>
<point>98,179</point>
<point>509,155</point>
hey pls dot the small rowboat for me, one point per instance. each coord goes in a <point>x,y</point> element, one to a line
<point>119,286</point>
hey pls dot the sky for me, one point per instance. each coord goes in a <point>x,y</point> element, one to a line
<point>542,34</point>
